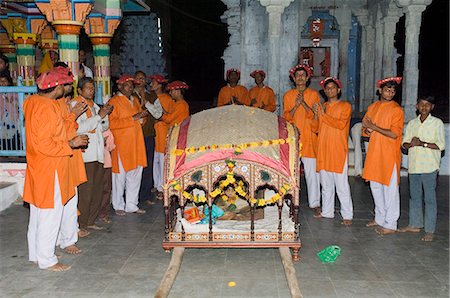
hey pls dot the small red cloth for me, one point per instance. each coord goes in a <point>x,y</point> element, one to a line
<point>158,78</point>
<point>255,72</point>
<point>398,80</point>
<point>125,78</point>
<point>303,66</point>
<point>53,78</point>
<point>322,83</point>
<point>234,70</point>
<point>177,85</point>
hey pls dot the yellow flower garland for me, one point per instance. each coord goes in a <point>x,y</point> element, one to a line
<point>238,147</point>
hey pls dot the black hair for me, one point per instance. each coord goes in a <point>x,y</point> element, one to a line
<point>331,81</point>
<point>4,58</point>
<point>388,84</point>
<point>292,78</point>
<point>141,72</point>
<point>84,81</point>
<point>5,74</point>
<point>60,63</point>
<point>46,91</point>
<point>430,99</point>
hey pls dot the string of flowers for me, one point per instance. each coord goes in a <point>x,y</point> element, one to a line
<point>238,188</point>
<point>238,147</point>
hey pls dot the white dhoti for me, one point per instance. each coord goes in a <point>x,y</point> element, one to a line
<point>312,181</point>
<point>128,182</point>
<point>387,202</point>
<point>43,229</point>
<point>68,233</point>
<point>356,140</point>
<point>336,183</point>
<point>158,171</point>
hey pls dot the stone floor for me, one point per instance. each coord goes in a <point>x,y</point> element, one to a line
<point>127,260</point>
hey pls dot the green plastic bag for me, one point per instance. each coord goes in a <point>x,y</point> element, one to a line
<point>329,254</point>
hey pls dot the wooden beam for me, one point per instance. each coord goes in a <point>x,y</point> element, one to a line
<point>289,270</point>
<point>171,273</point>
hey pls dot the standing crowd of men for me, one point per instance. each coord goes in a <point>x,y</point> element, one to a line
<point>82,157</point>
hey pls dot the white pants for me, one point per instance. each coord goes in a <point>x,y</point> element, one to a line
<point>331,181</point>
<point>68,233</point>
<point>312,181</point>
<point>158,171</point>
<point>387,202</point>
<point>43,229</point>
<point>356,140</point>
<point>128,182</point>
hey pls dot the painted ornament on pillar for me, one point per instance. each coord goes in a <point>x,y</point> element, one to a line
<point>316,31</point>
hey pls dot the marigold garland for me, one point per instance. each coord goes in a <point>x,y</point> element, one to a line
<point>237,148</point>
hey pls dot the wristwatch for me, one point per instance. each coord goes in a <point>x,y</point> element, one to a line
<point>425,145</point>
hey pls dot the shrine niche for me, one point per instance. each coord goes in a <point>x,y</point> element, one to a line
<point>318,58</point>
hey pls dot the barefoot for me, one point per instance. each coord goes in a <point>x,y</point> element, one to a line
<point>58,267</point>
<point>120,213</point>
<point>95,227</point>
<point>83,233</point>
<point>160,195</point>
<point>383,231</point>
<point>428,237</point>
<point>72,250</point>
<point>409,229</point>
<point>317,216</point>
<point>106,219</point>
<point>140,211</point>
<point>371,224</point>
<point>148,202</point>
<point>317,212</point>
<point>346,222</point>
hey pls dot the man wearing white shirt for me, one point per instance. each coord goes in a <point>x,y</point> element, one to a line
<point>82,58</point>
<point>93,123</point>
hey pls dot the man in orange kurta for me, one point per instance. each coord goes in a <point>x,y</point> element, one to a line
<point>128,158</point>
<point>163,105</point>
<point>233,93</point>
<point>334,124</point>
<point>297,110</point>
<point>261,96</point>
<point>383,123</point>
<point>49,184</point>
<point>181,108</point>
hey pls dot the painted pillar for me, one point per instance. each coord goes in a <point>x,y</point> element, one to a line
<point>344,19</point>
<point>48,39</point>
<point>68,43</point>
<point>102,68</point>
<point>411,70</point>
<point>26,56</point>
<point>9,50</point>
<point>275,9</point>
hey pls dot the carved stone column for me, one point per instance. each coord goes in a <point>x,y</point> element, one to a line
<point>389,26</point>
<point>232,16</point>
<point>275,9</point>
<point>344,18</point>
<point>413,10</point>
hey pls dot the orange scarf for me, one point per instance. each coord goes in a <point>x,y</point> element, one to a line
<point>90,104</point>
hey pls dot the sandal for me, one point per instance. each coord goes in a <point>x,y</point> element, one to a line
<point>106,219</point>
<point>120,213</point>
<point>317,211</point>
<point>140,211</point>
<point>72,250</point>
<point>160,195</point>
<point>58,267</point>
<point>428,237</point>
<point>150,203</point>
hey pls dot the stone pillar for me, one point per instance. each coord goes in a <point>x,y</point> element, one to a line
<point>232,16</point>
<point>275,8</point>
<point>389,26</point>
<point>379,42</point>
<point>344,19</point>
<point>363,21</point>
<point>102,58</point>
<point>26,56</point>
<point>370,66</point>
<point>411,70</point>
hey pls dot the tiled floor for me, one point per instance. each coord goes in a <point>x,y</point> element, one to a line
<point>127,260</point>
